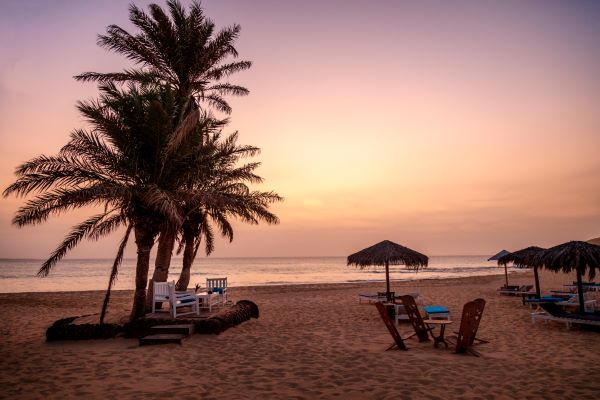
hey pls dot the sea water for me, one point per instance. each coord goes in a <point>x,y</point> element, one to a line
<point>88,274</point>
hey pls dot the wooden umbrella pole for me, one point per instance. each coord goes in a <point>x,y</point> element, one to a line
<point>537,282</point>
<point>506,275</point>
<point>387,280</point>
<point>580,291</point>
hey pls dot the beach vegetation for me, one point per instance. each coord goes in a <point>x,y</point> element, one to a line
<point>154,157</point>
<point>184,50</point>
<point>133,163</point>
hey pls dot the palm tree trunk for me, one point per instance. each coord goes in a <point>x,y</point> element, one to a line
<point>144,240</point>
<point>166,242</point>
<point>188,259</point>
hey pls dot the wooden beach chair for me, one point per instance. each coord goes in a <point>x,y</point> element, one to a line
<point>182,299</point>
<point>165,292</point>
<point>421,330</point>
<point>218,285</point>
<point>398,341</point>
<point>160,293</point>
<point>469,324</point>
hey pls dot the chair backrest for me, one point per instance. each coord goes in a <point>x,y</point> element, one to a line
<point>415,317</point>
<point>390,326</point>
<point>172,295</point>
<point>216,283</point>
<point>161,289</point>
<point>469,323</point>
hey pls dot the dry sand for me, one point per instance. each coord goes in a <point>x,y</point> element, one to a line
<point>312,341</point>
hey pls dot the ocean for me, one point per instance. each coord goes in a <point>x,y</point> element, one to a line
<point>92,274</point>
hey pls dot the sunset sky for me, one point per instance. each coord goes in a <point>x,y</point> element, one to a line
<point>451,127</point>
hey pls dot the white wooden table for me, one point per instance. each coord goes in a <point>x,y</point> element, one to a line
<point>206,300</point>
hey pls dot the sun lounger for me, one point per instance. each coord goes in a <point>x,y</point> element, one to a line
<point>398,342</point>
<point>469,324</point>
<point>509,288</point>
<point>515,290</point>
<point>374,297</point>
<point>573,302</point>
<point>586,286</point>
<point>553,312</point>
<point>534,303</point>
<point>381,296</point>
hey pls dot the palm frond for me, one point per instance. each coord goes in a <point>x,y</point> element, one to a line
<point>228,89</point>
<point>38,209</point>
<point>78,232</point>
<point>224,70</point>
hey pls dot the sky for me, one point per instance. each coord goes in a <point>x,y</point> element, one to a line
<point>451,127</point>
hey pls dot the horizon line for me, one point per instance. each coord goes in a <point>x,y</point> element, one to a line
<point>223,258</point>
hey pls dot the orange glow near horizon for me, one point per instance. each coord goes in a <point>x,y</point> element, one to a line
<point>451,129</point>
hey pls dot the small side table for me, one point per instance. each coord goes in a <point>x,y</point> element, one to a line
<point>440,338</point>
<point>205,300</point>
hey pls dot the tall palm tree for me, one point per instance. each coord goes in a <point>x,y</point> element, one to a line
<point>184,50</point>
<point>178,48</point>
<point>117,164</point>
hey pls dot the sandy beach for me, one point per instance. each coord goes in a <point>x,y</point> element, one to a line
<point>311,341</point>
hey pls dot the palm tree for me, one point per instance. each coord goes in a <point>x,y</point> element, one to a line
<point>220,177</point>
<point>118,164</point>
<point>181,49</point>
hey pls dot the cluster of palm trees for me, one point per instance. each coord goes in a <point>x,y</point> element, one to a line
<point>154,159</point>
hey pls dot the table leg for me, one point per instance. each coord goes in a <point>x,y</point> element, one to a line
<point>440,338</point>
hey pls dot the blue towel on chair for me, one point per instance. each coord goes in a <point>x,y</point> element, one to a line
<point>435,309</point>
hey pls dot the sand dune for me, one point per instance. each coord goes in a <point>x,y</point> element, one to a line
<point>311,341</point>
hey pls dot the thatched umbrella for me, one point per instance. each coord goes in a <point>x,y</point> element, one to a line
<point>582,257</point>
<point>386,253</point>
<point>496,257</point>
<point>527,257</point>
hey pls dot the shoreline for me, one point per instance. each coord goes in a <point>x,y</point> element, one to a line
<point>292,285</point>
<point>310,341</point>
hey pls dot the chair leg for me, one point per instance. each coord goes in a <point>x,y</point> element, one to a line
<point>391,346</point>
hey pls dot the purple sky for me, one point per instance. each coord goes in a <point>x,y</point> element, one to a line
<point>455,127</point>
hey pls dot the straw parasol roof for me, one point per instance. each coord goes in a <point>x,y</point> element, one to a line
<point>522,258</point>
<point>581,257</point>
<point>386,253</point>
<point>527,257</point>
<point>496,256</point>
